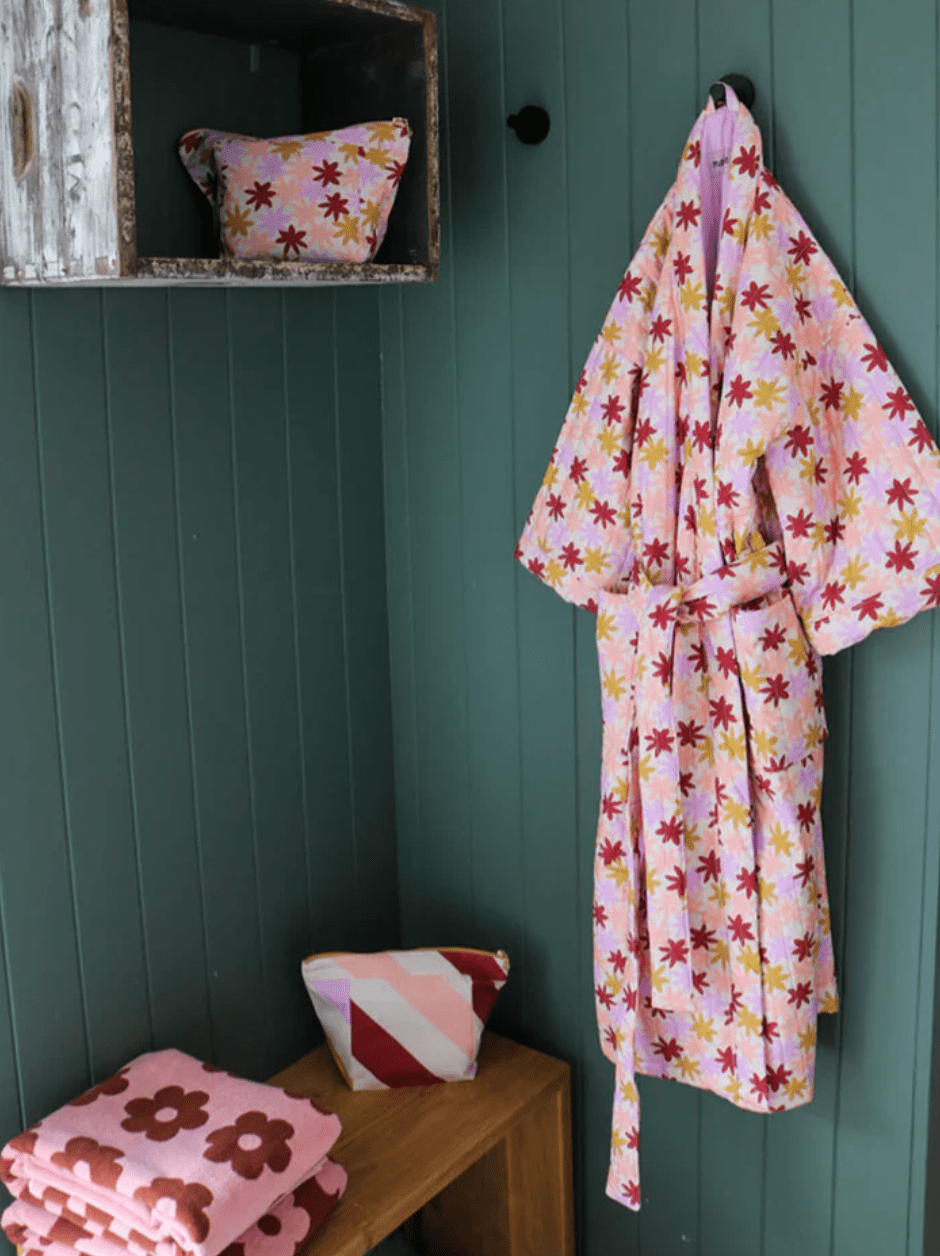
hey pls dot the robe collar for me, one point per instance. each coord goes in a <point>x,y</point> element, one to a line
<point>727,134</point>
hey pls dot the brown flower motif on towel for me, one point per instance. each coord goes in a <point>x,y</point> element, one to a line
<point>114,1085</point>
<point>250,1144</point>
<point>100,1160</point>
<point>191,1198</point>
<point>170,1110</point>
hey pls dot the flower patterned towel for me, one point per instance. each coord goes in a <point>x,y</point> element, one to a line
<point>172,1157</point>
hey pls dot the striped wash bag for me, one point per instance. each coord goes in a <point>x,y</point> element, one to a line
<point>405,1018</point>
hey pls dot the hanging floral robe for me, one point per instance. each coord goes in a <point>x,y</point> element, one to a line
<point>741,485</point>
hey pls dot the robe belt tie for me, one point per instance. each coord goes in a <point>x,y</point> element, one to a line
<point>658,609</point>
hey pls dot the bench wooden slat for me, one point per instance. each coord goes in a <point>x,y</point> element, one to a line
<point>401,1148</point>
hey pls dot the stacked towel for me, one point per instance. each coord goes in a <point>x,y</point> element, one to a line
<point>172,1157</point>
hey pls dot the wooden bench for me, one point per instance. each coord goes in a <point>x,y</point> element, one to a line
<point>486,1164</point>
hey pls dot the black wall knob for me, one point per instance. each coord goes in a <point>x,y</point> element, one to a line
<point>743,89</point>
<point>531,124</point>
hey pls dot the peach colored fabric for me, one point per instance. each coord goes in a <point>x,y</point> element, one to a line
<point>741,484</point>
<point>322,197</point>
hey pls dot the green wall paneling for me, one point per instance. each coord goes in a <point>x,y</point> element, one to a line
<point>143,491</point>
<point>43,988</point>
<point>71,414</point>
<point>537,240</point>
<point>194,675</point>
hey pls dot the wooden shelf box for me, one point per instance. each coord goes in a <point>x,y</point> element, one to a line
<point>95,94</point>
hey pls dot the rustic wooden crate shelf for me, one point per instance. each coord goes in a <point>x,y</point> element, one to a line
<point>486,1164</point>
<point>95,94</point>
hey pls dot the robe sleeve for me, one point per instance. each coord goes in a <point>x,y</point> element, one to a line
<point>577,537</point>
<point>855,477</point>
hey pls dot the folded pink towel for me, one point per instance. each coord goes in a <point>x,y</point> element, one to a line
<point>171,1157</point>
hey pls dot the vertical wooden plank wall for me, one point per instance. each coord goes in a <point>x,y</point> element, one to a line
<point>195,729</point>
<point>496,710</point>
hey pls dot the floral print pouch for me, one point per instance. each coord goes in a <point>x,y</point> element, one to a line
<point>322,197</point>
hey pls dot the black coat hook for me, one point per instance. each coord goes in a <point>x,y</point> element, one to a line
<point>742,87</point>
<point>531,124</point>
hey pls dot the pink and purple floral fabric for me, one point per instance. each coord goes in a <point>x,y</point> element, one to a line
<point>741,485</point>
<point>323,197</point>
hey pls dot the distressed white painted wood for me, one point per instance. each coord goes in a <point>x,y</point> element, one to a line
<point>59,218</point>
<point>67,199</point>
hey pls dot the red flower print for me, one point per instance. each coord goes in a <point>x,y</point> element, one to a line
<point>703,938</point>
<point>578,469</point>
<point>901,404</point>
<point>114,1085</point>
<point>690,733</point>
<point>671,830</point>
<point>688,214</point>
<point>693,153</point>
<point>191,1199</point>
<point>603,514</point>
<point>661,328</point>
<point>802,247</point>
<point>783,344</point>
<point>629,288</point>
<point>709,866</point>
<point>759,1086</point>
<point>556,507</point>
<point>739,391</point>
<point>728,223</point>
<point>536,566</point>
<point>395,172</point>
<point>613,410</point>
<point>722,714</point>
<point>932,591</point>
<point>855,467</point>
<point>682,266</point>
<point>571,556</point>
<point>103,1168</point>
<point>727,1059</point>
<point>747,881</point>
<point>921,438</point>
<point>804,947</point>
<point>611,807</point>
<point>604,996</point>
<point>874,358</point>
<point>659,741</point>
<point>334,206</point>
<point>747,160</point>
<point>668,1049</point>
<point>776,690</point>
<point>327,173</point>
<point>755,295</point>
<point>170,1110</point>
<point>291,238</point>
<point>261,194</point>
<point>192,140</point>
<point>831,395</point>
<point>799,994</point>
<point>832,594</point>
<point>741,929</point>
<point>778,1077</point>
<point>251,1144</point>
<point>600,916</point>
<point>869,607</point>
<point>631,1193</point>
<point>676,882</point>
<point>618,961</point>
<point>901,558</point>
<point>804,310</point>
<point>901,494</point>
